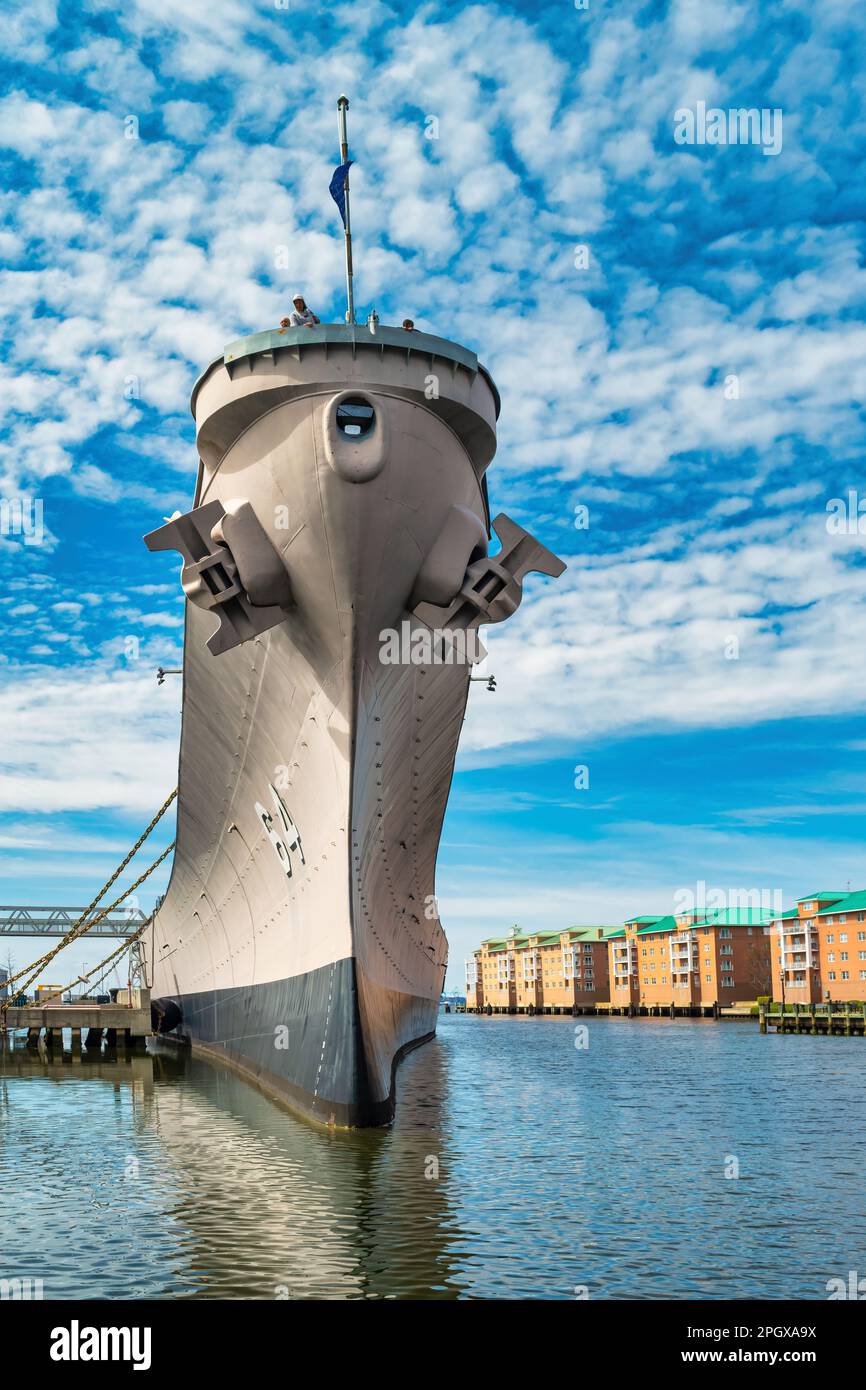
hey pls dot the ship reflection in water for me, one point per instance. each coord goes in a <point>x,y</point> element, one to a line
<point>518,1166</point>
<point>166,1175</point>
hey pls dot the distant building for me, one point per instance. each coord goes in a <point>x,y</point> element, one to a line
<point>693,959</point>
<point>814,952</point>
<point>819,949</point>
<point>530,972</point>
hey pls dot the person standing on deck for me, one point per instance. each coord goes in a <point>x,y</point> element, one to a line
<point>301,316</point>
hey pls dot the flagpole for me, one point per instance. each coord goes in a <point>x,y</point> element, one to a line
<point>342,108</point>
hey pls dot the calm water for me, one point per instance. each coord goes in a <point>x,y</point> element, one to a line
<point>557,1168</point>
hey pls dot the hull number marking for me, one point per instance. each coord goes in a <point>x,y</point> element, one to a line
<point>282,831</point>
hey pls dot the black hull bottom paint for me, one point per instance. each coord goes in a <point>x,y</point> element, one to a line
<point>328,1043</point>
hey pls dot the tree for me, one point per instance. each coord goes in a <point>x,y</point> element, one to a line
<point>759,972</point>
<point>9,967</point>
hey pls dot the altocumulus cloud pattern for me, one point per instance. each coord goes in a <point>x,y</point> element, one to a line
<point>676,329</point>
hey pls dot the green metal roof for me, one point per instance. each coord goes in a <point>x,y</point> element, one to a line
<point>658,924</point>
<point>548,937</point>
<point>735,917</point>
<point>822,897</point>
<point>849,902</point>
<point>631,920</point>
<point>514,935</point>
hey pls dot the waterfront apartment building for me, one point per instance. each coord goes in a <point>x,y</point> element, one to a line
<point>814,952</point>
<point>819,949</point>
<point>691,960</point>
<point>531,972</point>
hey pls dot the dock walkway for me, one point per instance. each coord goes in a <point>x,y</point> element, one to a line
<point>127,1021</point>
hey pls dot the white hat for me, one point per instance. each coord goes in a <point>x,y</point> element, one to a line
<point>297,295</point>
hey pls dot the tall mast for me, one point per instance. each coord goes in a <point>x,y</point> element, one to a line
<point>342,108</point>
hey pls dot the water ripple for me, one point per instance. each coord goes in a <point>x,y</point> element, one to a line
<point>518,1167</point>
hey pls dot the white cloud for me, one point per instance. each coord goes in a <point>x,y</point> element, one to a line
<point>186,120</point>
<point>625,644</point>
<point>147,255</point>
<point>85,741</point>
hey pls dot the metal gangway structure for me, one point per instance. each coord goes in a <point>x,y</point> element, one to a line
<point>48,922</point>
<point>56,921</point>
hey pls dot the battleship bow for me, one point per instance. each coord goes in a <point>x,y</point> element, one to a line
<point>341,494</point>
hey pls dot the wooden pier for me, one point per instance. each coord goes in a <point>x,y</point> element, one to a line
<point>605,1010</point>
<point>841,1020</point>
<point>125,1024</point>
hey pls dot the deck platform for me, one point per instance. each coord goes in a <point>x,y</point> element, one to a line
<point>127,1021</point>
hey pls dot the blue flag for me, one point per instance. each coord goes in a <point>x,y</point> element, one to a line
<point>338,187</point>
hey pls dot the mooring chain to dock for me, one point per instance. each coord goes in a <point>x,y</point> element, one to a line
<point>124,946</point>
<point>83,925</point>
<point>37,967</point>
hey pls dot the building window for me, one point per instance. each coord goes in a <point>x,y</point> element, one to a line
<point>831,974</point>
<point>829,936</point>
<point>845,975</point>
<point>843,935</point>
<point>831,955</point>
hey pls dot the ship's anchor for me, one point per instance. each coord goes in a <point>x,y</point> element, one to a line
<point>230,567</point>
<point>492,587</point>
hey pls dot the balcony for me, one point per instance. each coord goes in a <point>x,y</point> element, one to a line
<point>799,929</point>
<point>798,960</point>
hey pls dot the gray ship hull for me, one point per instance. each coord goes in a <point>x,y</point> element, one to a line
<point>299,939</point>
<point>329,1012</point>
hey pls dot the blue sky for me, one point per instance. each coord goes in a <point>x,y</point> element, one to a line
<point>698,387</point>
